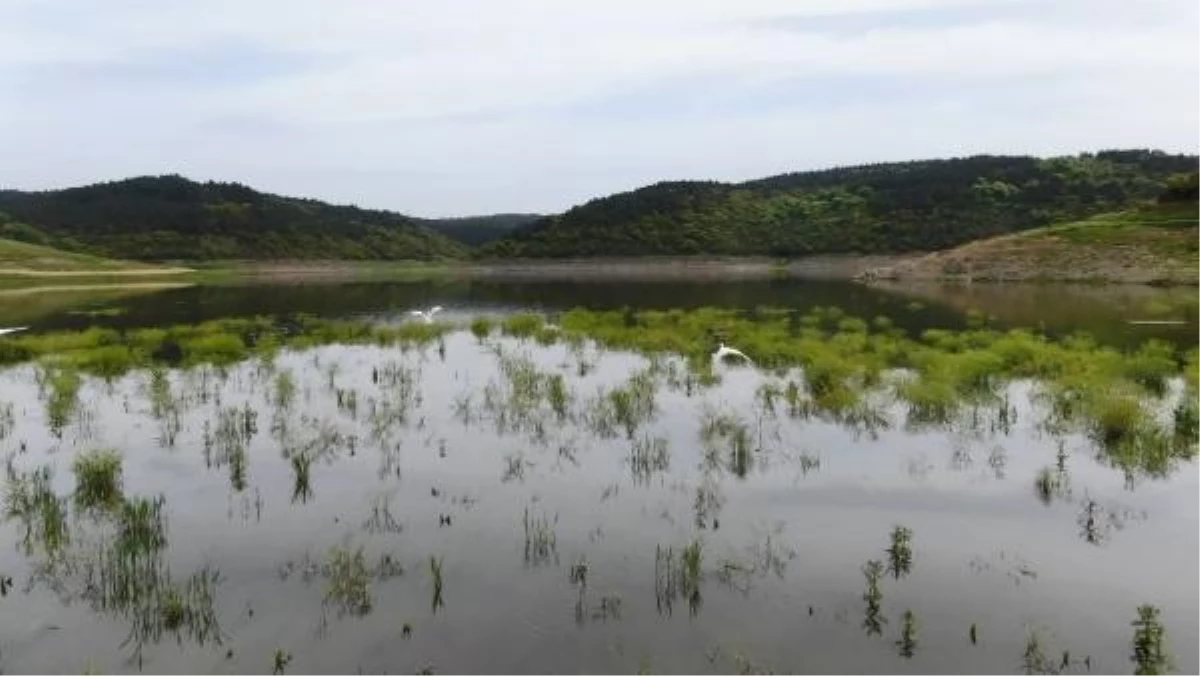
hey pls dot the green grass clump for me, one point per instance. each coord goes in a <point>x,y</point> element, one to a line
<point>348,585</point>
<point>1151,366</point>
<point>481,327</point>
<point>98,479</point>
<point>521,324</point>
<point>1116,418</point>
<point>215,349</point>
<point>141,527</point>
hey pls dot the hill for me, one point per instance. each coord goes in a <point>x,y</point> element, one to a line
<point>1154,244</point>
<point>21,259</point>
<point>173,218</point>
<point>476,230</point>
<point>880,208</point>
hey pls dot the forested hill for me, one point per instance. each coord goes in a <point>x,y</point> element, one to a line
<point>476,230</point>
<point>922,205</point>
<point>173,218</point>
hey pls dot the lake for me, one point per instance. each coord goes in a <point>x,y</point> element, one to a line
<point>495,502</point>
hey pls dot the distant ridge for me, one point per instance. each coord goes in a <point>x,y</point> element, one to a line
<point>173,218</point>
<point>879,208</point>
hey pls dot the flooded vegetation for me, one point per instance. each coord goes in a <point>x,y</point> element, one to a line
<point>594,491</point>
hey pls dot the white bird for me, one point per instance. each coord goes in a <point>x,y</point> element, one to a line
<point>12,330</point>
<point>724,352</point>
<point>427,315</point>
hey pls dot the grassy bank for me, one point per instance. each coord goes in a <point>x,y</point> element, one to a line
<point>1148,245</point>
<point>31,261</point>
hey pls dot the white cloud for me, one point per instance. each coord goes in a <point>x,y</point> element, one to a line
<point>479,105</point>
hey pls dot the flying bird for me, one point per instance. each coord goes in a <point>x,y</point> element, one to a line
<point>12,330</point>
<point>724,352</point>
<point>427,315</point>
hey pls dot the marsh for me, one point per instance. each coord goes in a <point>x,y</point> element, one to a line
<point>199,490</point>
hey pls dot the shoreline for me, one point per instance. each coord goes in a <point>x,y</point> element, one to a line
<point>868,269</point>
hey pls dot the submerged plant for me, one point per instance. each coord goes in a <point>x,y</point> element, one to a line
<point>97,479</point>
<point>280,661</point>
<point>301,483</point>
<point>1034,661</point>
<point>708,503</point>
<point>678,575</point>
<point>873,621</point>
<point>558,395</point>
<point>908,635</point>
<point>63,399</point>
<point>349,581</point>
<point>541,542</point>
<point>435,569</point>
<point>1149,643</point>
<point>647,457</point>
<point>900,552</point>
<point>481,327</point>
<point>28,498</point>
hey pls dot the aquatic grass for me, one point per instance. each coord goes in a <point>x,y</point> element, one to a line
<point>141,527</point>
<point>218,348</point>
<point>558,395</point>
<point>706,507</point>
<point>187,611</point>
<point>481,328</point>
<point>301,477</point>
<point>8,420</point>
<point>1034,660</point>
<point>900,556</point>
<point>678,575</point>
<point>63,398</point>
<point>163,406</point>
<point>521,324</point>
<point>1149,643</point>
<point>435,570</point>
<point>284,390</point>
<point>647,457</point>
<point>348,584</point>
<point>1152,366</point>
<point>541,542</point>
<point>97,479</point>
<point>873,620</point>
<point>1047,485</point>
<point>29,499</point>
<point>908,635</point>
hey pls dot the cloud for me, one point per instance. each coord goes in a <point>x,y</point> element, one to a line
<point>477,105</point>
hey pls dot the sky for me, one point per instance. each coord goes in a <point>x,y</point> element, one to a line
<point>461,107</point>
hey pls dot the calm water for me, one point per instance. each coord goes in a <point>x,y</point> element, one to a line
<point>440,456</point>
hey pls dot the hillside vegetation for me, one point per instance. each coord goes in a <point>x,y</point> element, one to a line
<point>1153,243</point>
<point>881,208</point>
<point>173,218</point>
<point>476,230</point>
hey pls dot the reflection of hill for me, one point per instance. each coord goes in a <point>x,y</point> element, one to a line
<point>31,304</point>
<point>1103,310</point>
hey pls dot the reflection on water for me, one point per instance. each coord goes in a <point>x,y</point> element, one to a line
<point>488,504</point>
